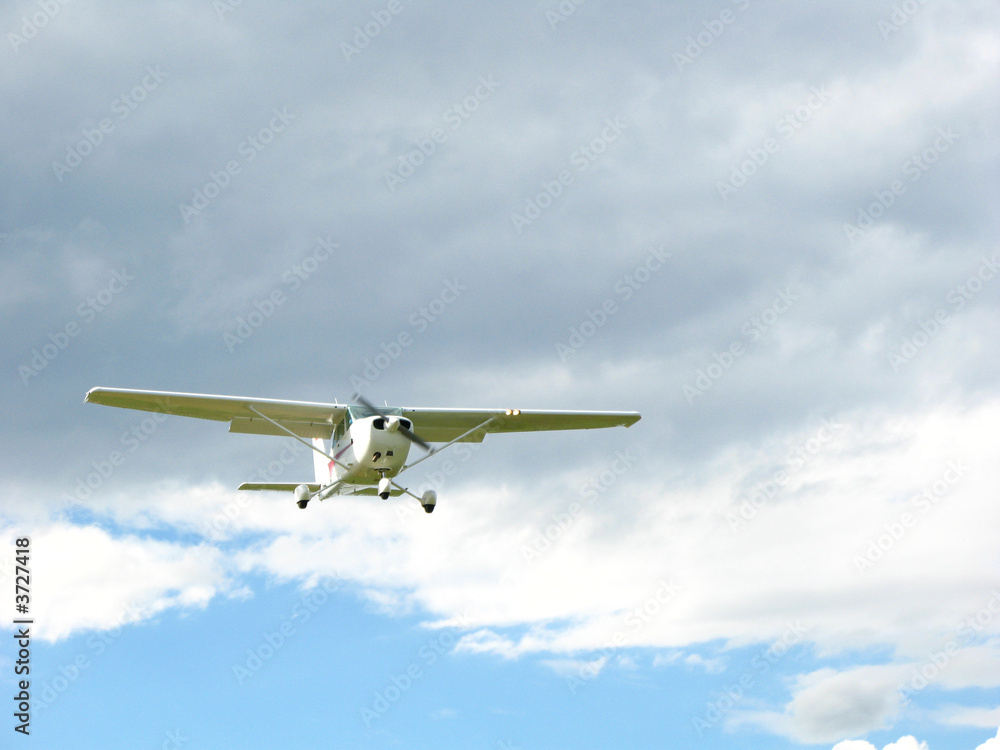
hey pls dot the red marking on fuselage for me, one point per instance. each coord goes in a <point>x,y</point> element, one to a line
<point>345,448</point>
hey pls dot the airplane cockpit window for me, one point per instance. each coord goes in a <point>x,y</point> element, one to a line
<point>360,411</point>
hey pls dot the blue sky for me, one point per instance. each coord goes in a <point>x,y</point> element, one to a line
<point>770,228</point>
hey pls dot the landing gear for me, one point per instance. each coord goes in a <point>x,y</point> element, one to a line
<point>302,496</point>
<point>384,486</point>
<point>428,501</point>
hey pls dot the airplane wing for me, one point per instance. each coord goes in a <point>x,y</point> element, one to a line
<point>304,418</point>
<point>278,486</point>
<point>443,425</point>
<point>313,487</point>
<point>310,420</point>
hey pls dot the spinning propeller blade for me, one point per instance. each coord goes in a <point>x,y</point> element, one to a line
<point>412,436</point>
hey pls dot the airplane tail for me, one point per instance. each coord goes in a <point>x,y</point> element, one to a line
<point>322,466</point>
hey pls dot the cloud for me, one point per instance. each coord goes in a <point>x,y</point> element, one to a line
<point>903,743</point>
<point>87,579</point>
<point>991,744</point>
<point>711,666</point>
<point>856,480</point>
<point>908,743</point>
<point>828,705</point>
<point>744,516</point>
<point>576,667</point>
<point>970,716</point>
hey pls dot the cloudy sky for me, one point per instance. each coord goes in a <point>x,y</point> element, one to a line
<point>770,228</point>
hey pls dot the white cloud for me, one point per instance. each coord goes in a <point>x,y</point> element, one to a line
<point>908,743</point>
<point>83,578</point>
<point>828,705</point>
<point>593,593</point>
<point>594,584</point>
<point>903,743</point>
<point>991,744</point>
<point>711,666</point>
<point>576,667</point>
<point>970,716</point>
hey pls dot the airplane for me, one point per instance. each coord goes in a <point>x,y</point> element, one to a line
<point>368,446</point>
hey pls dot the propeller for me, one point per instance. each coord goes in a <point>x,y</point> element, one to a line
<point>409,434</point>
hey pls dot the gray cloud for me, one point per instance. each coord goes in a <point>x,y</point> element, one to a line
<point>273,137</point>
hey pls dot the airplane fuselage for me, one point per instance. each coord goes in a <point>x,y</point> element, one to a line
<point>368,450</point>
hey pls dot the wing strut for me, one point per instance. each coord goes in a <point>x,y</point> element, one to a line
<point>437,450</point>
<point>282,427</point>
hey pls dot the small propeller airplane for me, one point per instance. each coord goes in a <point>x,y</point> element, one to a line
<point>368,446</point>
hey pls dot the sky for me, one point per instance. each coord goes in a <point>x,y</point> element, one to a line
<point>770,228</point>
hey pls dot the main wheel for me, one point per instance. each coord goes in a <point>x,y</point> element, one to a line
<point>429,500</point>
<point>302,504</point>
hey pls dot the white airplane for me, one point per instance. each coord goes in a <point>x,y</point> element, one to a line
<point>368,446</point>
